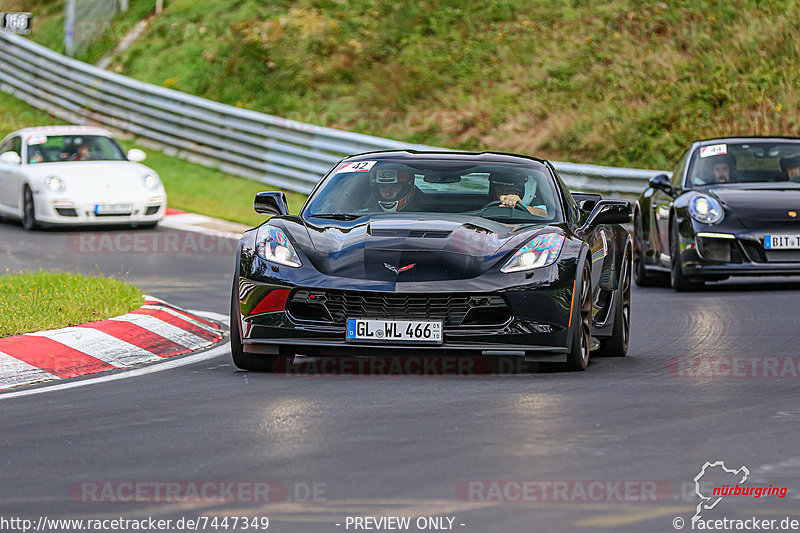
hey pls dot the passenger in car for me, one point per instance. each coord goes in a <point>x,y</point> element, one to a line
<point>790,168</point>
<point>509,190</point>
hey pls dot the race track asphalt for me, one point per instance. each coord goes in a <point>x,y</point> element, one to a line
<point>378,446</point>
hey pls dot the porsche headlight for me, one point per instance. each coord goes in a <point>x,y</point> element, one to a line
<point>541,251</point>
<point>150,181</point>
<point>273,245</point>
<point>54,184</point>
<point>705,209</point>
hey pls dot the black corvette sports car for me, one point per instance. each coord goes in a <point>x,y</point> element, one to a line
<point>434,252</point>
<point>730,208</point>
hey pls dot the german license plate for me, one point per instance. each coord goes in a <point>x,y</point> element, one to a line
<point>377,330</point>
<point>781,242</point>
<point>113,209</point>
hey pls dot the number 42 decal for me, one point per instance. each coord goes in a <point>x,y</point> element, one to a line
<point>358,166</point>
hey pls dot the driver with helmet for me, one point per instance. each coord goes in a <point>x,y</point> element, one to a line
<point>393,187</point>
<point>509,191</point>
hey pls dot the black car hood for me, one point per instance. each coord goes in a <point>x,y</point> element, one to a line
<point>755,204</point>
<point>404,248</point>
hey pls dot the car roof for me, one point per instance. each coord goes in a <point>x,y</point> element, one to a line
<point>455,155</point>
<point>706,142</point>
<point>63,130</point>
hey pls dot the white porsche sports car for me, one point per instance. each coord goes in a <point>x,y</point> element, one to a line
<point>76,175</point>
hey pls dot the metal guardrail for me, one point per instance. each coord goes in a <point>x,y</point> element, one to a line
<point>274,150</point>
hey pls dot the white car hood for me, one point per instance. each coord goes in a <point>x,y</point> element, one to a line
<point>98,180</point>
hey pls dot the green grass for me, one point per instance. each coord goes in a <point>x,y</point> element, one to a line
<point>620,82</point>
<point>48,300</point>
<point>190,187</point>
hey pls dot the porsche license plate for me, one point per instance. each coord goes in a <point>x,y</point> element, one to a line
<point>378,330</point>
<point>113,209</point>
<point>782,242</point>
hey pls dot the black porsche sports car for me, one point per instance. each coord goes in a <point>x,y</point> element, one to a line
<point>434,251</point>
<point>730,208</point>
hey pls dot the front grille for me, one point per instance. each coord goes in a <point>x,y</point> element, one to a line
<point>335,307</point>
<point>756,253</point>
<point>754,250</point>
<point>736,253</point>
<point>782,256</point>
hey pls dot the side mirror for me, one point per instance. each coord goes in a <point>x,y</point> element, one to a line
<point>661,182</point>
<point>12,158</point>
<point>609,212</point>
<point>136,155</point>
<point>586,200</point>
<point>271,203</point>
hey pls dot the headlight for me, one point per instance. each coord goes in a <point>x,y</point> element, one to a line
<point>705,209</point>
<point>273,245</point>
<point>151,181</point>
<point>543,250</point>
<point>54,184</point>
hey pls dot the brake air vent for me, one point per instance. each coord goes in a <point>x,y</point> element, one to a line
<point>66,211</point>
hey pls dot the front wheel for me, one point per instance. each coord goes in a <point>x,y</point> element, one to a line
<point>243,360</point>
<point>680,282</point>
<point>578,355</point>
<point>617,344</point>
<point>28,210</point>
<point>641,277</point>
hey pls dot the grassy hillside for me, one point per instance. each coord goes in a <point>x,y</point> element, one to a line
<point>48,25</point>
<point>623,82</point>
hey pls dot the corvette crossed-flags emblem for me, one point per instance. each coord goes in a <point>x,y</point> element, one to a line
<point>398,270</point>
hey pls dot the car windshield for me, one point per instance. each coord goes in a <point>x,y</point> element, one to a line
<point>745,162</point>
<point>367,187</point>
<point>62,148</point>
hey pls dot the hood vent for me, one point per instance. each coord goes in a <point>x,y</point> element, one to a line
<point>415,234</point>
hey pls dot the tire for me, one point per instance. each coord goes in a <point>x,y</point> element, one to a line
<point>578,355</point>
<point>678,280</point>
<point>617,344</point>
<point>641,277</point>
<point>242,360</point>
<point>28,210</point>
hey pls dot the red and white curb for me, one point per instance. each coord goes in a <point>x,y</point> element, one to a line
<point>155,331</point>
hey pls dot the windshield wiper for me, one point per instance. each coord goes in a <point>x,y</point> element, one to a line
<point>337,216</point>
